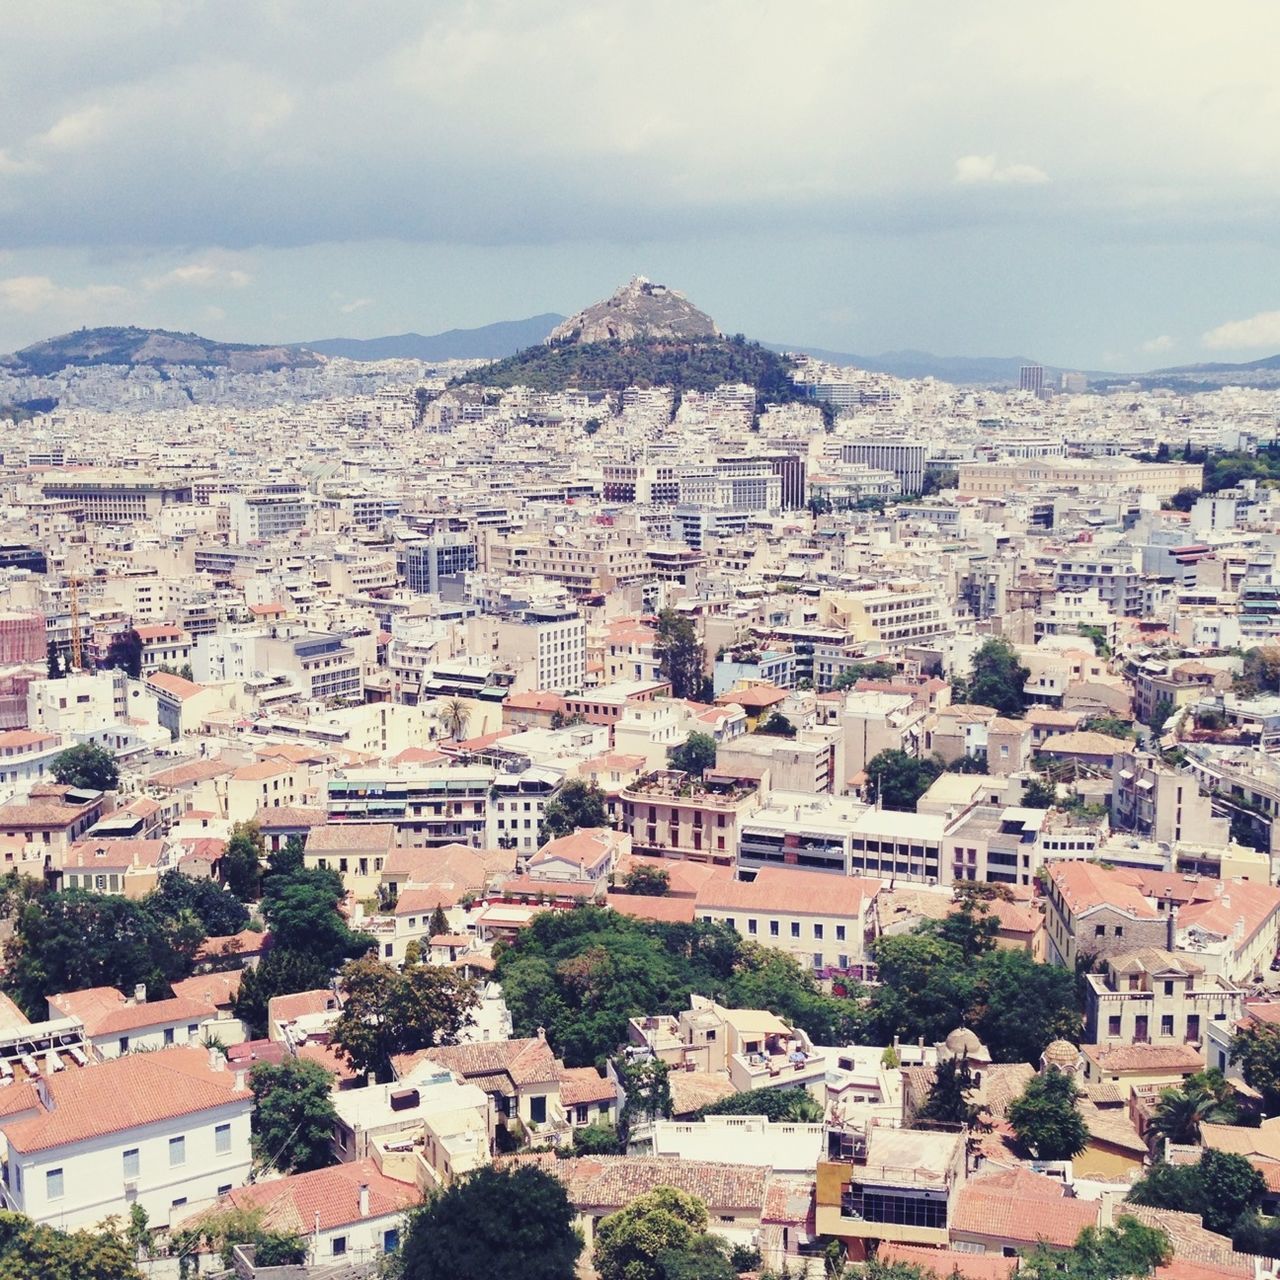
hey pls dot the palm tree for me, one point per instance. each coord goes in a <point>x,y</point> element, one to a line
<point>1180,1113</point>
<point>454,716</point>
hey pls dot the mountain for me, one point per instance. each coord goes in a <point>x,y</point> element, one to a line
<point>86,348</point>
<point>644,335</point>
<point>639,310</point>
<point>986,370</point>
<point>489,342</point>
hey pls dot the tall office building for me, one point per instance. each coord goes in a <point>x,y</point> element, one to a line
<point>1032,379</point>
<point>905,458</point>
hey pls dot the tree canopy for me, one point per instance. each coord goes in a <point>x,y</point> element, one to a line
<point>1220,1187</point>
<point>577,804</point>
<point>293,1115</point>
<point>241,861</point>
<point>898,780</point>
<point>681,657</point>
<point>1257,1050</point>
<point>996,679</point>
<point>789,1106</point>
<point>124,652</point>
<point>28,1252</point>
<point>497,1222</point>
<point>87,767</point>
<point>221,913</point>
<point>864,671</point>
<point>1047,1119</point>
<point>387,1013</point>
<point>695,755</point>
<point>646,879</point>
<point>651,1237</point>
<point>1129,1250</point>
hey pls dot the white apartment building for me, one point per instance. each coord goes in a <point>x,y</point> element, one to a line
<point>262,517</point>
<point>554,640</point>
<point>168,1131</point>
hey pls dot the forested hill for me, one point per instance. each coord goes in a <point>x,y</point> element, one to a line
<point>685,364</point>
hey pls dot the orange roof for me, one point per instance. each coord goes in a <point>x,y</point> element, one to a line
<point>126,854</point>
<point>295,1204</point>
<point>212,989</point>
<point>1008,1216</point>
<point>535,700</point>
<point>1241,901</point>
<point>104,1011</point>
<point>947,1262</point>
<point>285,1008</point>
<point>175,686</point>
<point>263,769</point>
<point>126,1093</point>
<point>585,847</point>
<point>639,907</point>
<point>785,889</point>
<point>754,697</point>
<point>1084,886</point>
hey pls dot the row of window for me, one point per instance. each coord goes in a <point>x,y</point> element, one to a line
<point>131,1162</point>
<point>774,927</point>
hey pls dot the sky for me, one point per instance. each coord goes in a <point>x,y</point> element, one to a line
<point>1092,185</point>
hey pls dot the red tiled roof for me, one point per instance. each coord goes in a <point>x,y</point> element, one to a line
<point>946,1263</point>
<point>1010,1216</point>
<point>125,1093</point>
<point>668,910</point>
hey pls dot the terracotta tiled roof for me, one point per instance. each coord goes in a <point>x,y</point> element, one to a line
<point>524,1061</point>
<point>174,686</point>
<point>300,1003</point>
<point>1191,1241</point>
<point>293,1204</point>
<point>946,1263</point>
<point>1085,885</point>
<point>1144,1057</point>
<point>584,1085</point>
<point>1006,1216</point>
<point>668,910</point>
<point>341,837</point>
<point>104,1011</point>
<point>212,989</point>
<point>289,817</point>
<point>610,1182</point>
<point>784,889</point>
<point>182,775</point>
<point>125,1093</point>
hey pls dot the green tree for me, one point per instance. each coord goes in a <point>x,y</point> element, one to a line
<point>1180,1112</point>
<point>681,657</point>
<point>31,1252</point>
<point>439,923</point>
<point>578,804</point>
<point>454,717</point>
<point>598,1139</point>
<point>864,671</point>
<point>1220,1187</point>
<point>1160,714</point>
<point>280,973</point>
<point>997,678</point>
<point>1112,726</point>
<point>1020,1006</point>
<point>86,766</point>
<point>1047,1119</point>
<point>695,755</point>
<point>647,1087</point>
<point>647,880</point>
<point>387,1013</point>
<point>288,858</point>
<point>1261,669</point>
<point>792,1105</point>
<point>53,662</point>
<point>1129,1250</point>
<point>630,1244</point>
<point>778,726</point>
<point>293,1115</point>
<point>1257,1050</point>
<point>948,1100</point>
<point>220,913</point>
<point>969,926</point>
<point>1184,499</point>
<point>1039,794</point>
<point>302,910</point>
<point>898,780</point>
<point>925,988</point>
<point>73,939</point>
<point>124,653</point>
<point>1098,637</point>
<point>496,1222</point>
<point>241,862</point>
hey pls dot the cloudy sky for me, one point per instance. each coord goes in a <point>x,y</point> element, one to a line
<point>1089,184</point>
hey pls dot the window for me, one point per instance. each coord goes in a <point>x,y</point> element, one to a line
<point>1099,930</point>
<point>795,928</point>
<point>131,1163</point>
<point>580,1113</point>
<point>1168,988</point>
<point>1119,931</point>
<point>538,1109</point>
<point>773,928</point>
<point>124,1044</point>
<point>839,933</point>
<point>817,931</point>
<point>1166,1024</point>
<point>390,1240</point>
<point>339,1246</point>
<point>53,1188</point>
<point>177,1151</point>
<point>751,927</point>
<point>222,1139</point>
<point>224,1190</point>
<point>1113,1025</point>
<point>168,1035</point>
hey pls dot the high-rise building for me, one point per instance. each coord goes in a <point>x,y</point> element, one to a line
<point>1031,378</point>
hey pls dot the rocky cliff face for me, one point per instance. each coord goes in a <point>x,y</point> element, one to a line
<point>639,310</point>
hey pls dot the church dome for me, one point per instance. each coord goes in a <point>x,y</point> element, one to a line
<point>1061,1054</point>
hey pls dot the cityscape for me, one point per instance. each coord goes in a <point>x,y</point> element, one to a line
<point>602,791</point>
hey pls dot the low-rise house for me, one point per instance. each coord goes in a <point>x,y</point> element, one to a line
<point>52,818</point>
<point>347,1213</point>
<point>1096,911</point>
<point>128,867</point>
<point>587,857</point>
<point>429,1128</point>
<point>817,919</point>
<point>1155,997</point>
<point>168,1131</point>
<point>669,814</point>
<point>1010,1212</point>
<point>1235,934</point>
<point>116,1024</point>
<point>295,1017</point>
<point>1128,1065</point>
<point>358,852</point>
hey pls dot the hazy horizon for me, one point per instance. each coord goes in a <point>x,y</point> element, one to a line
<point>1085,185</point>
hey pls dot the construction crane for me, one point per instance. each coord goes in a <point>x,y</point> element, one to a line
<point>77,658</point>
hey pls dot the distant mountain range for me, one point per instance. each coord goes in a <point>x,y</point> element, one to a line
<point>489,342</point>
<point>636,312</point>
<point>158,348</point>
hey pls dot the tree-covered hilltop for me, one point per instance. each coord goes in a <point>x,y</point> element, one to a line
<point>684,364</point>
